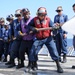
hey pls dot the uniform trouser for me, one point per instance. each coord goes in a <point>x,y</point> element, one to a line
<point>61,43</point>
<point>14,52</point>
<point>25,48</point>
<point>10,44</point>
<point>38,45</point>
<point>74,42</point>
<point>6,47</point>
<point>1,48</point>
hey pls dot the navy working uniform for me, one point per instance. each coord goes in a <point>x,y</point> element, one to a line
<point>61,42</point>
<point>2,29</point>
<point>6,43</point>
<point>11,33</point>
<point>14,51</point>
<point>16,41</point>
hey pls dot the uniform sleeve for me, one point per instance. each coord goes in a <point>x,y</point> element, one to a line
<point>31,26</point>
<point>55,19</point>
<point>19,28</point>
<point>66,18</point>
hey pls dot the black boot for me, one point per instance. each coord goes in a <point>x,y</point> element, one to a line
<point>59,58</point>
<point>5,59</point>
<point>73,67</point>
<point>64,59</point>
<point>8,63</point>
<point>59,69</point>
<point>35,66</point>
<point>12,64</point>
<point>20,64</point>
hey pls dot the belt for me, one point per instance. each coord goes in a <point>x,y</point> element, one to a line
<point>42,38</point>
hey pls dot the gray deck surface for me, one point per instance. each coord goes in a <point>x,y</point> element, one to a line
<point>46,66</point>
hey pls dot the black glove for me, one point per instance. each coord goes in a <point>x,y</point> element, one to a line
<point>34,30</point>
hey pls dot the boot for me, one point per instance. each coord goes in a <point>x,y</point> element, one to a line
<point>5,59</point>
<point>59,69</point>
<point>59,58</point>
<point>73,67</point>
<point>12,64</point>
<point>64,59</point>
<point>35,65</point>
<point>30,67</point>
<point>20,64</point>
<point>8,63</point>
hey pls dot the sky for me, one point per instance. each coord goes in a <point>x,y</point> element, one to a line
<point>9,6</point>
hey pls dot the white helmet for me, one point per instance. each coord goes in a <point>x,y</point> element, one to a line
<point>18,12</point>
<point>42,10</point>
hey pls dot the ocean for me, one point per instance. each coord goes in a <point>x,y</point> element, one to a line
<point>69,42</point>
<point>71,52</point>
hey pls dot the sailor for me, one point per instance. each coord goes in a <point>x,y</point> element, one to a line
<point>42,37</point>
<point>14,52</point>
<point>27,40</point>
<point>73,36</point>
<point>6,42</point>
<point>10,19</point>
<point>2,29</point>
<point>61,35</point>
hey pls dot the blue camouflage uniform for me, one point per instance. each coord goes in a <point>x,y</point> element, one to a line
<point>17,41</point>
<point>6,42</point>
<point>2,29</point>
<point>10,34</point>
<point>61,42</point>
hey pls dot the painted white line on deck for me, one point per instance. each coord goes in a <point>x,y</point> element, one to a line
<point>1,74</point>
<point>7,69</point>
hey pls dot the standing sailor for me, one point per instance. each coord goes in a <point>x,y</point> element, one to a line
<point>42,37</point>
<point>2,29</point>
<point>60,34</point>
<point>14,52</point>
<point>11,34</point>
<point>27,40</point>
<point>6,42</point>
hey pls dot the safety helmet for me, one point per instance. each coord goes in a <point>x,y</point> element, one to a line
<point>2,19</point>
<point>42,10</point>
<point>18,12</point>
<point>6,25</point>
<point>25,10</point>
<point>10,17</point>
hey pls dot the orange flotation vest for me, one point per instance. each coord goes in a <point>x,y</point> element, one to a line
<point>45,33</point>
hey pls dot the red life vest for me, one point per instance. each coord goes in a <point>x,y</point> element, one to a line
<point>45,33</point>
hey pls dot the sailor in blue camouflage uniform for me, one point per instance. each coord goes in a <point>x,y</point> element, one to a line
<point>2,29</point>
<point>6,42</point>
<point>14,52</point>
<point>60,34</point>
<point>10,19</point>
